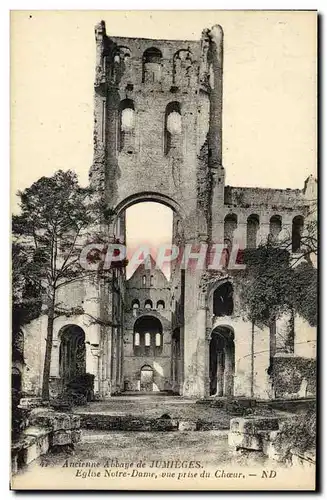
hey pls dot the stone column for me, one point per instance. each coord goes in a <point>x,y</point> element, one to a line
<point>113,359</point>
<point>215,58</point>
<point>54,367</point>
<point>220,373</point>
<point>194,338</point>
<point>216,93</point>
<point>207,362</point>
<point>92,365</point>
<point>240,234</point>
<point>264,229</point>
<point>229,373</point>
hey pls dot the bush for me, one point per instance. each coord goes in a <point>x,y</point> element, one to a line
<point>299,433</point>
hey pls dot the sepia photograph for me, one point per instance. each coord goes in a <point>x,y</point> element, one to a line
<point>164,199</point>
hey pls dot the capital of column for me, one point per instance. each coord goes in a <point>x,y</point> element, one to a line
<point>208,334</point>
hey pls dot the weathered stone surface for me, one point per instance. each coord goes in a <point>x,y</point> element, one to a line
<point>42,436</point>
<point>247,441</point>
<point>186,425</point>
<point>273,448</point>
<point>127,423</point>
<point>30,402</point>
<point>75,421</point>
<point>49,418</point>
<point>31,452</point>
<point>61,437</point>
<point>253,425</point>
<point>76,435</point>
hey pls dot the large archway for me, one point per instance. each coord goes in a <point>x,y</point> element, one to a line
<point>148,336</point>
<point>222,361</point>
<point>72,358</point>
<point>147,223</point>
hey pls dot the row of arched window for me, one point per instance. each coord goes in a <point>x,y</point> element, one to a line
<point>147,344</point>
<point>147,336</point>
<point>172,126</point>
<point>152,63</point>
<point>253,225</point>
<point>148,304</point>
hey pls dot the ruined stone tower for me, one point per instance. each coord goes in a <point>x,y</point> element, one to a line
<point>158,117</point>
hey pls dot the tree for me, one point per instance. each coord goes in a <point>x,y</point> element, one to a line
<point>55,215</point>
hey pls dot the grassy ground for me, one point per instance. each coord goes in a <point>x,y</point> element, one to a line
<point>156,407</point>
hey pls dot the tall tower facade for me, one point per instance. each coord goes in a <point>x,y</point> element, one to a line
<point>157,137</point>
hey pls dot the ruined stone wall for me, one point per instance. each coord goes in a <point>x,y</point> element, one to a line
<point>244,197</point>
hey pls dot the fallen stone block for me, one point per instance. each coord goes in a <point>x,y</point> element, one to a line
<point>42,436</point>
<point>126,423</point>
<point>61,438</point>
<point>246,441</point>
<point>253,425</point>
<point>49,418</point>
<point>30,450</point>
<point>186,425</point>
<point>30,402</point>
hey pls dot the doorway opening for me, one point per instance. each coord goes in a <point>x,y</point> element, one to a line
<point>72,356</point>
<point>222,362</point>
<point>146,379</point>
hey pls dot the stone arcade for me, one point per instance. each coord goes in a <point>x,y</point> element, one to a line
<point>158,137</point>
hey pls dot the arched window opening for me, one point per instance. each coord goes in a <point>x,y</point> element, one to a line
<point>137,339</point>
<point>126,126</point>
<point>151,66</point>
<point>275,226</point>
<point>151,280</point>
<point>158,344</point>
<point>160,304</point>
<point>230,226</point>
<point>148,304</point>
<point>147,339</point>
<point>136,304</point>
<point>252,231</point>
<point>173,128</point>
<point>297,230</point>
<point>223,303</point>
<point>148,328</point>
<point>182,66</point>
<point>144,280</point>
